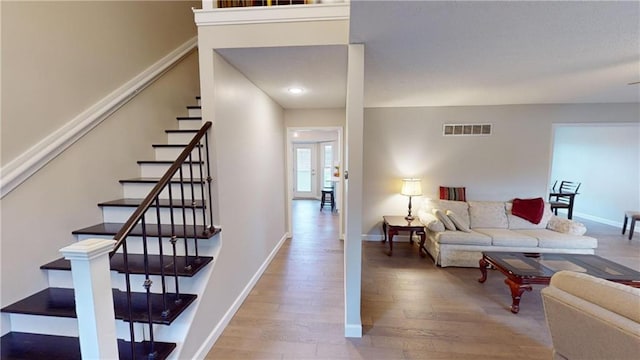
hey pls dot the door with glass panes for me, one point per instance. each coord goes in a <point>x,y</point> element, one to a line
<point>304,171</point>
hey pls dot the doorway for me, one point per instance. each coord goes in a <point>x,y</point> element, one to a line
<point>314,159</point>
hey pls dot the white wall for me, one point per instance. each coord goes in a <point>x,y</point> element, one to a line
<point>249,138</point>
<point>61,57</point>
<point>515,161</point>
<point>605,158</point>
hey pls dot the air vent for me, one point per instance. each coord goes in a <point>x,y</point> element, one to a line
<point>466,129</point>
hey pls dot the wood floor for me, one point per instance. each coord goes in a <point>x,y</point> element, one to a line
<point>411,309</point>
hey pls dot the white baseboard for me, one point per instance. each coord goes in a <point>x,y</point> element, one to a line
<point>353,330</point>
<point>600,220</point>
<point>222,324</point>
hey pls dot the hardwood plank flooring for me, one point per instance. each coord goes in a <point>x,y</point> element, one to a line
<point>411,309</point>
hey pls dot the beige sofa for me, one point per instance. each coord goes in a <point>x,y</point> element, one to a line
<point>492,227</point>
<point>592,318</point>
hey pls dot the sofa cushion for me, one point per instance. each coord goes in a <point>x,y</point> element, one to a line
<point>552,239</point>
<point>528,209</point>
<point>431,222</point>
<point>516,222</point>
<point>487,214</point>
<point>462,238</point>
<point>440,215</point>
<point>566,226</point>
<point>506,237</point>
<point>458,221</point>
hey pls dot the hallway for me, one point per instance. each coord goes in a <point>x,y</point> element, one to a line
<point>298,302</point>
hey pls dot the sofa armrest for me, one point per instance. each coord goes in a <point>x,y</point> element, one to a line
<point>566,226</point>
<point>589,317</point>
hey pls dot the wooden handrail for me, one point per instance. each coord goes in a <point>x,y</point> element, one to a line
<point>127,228</point>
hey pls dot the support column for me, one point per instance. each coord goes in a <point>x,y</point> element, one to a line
<point>94,298</point>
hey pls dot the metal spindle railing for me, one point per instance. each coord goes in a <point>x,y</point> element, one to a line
<point>140,219</point>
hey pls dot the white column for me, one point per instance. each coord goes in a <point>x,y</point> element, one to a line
<point>94,297</point>
<point>353,191</point>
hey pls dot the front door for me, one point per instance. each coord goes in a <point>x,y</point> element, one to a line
<point>304,171</point>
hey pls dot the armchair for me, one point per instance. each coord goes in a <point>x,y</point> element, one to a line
<point>592,318</point>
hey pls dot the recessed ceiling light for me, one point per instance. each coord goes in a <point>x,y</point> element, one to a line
<point>296,90</point>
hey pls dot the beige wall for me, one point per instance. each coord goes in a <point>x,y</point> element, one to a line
<point>515,161</point>
<point>314,117</point>
<point>61,57</point>
<point>39,216</point>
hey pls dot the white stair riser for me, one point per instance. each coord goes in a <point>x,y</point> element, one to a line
<point>158,170</point>
<point>117,214</point>
<point>180,138</point>
<point>188,285</point>
<point>64,326</point>
<point>194,124</point>
<point>199,102</point>
<point>141,190</point>
<point>172,153</point>
<point>135,245</point>
<point>195,112</point>
<point>49,325</point>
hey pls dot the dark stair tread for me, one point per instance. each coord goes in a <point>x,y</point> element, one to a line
<point>186,266</point>
<point>181,131</point>
<point>189,118</point>
<point>194,107</point>
<point>150,180</point>
<point>171,145</point>
<point>60,302</point>
<point>167,162</point>
<point>26,346</point>
<point>152,230</point>
<point>164,203</point>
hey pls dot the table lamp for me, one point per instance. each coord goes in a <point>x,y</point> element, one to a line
<point>411,187</point>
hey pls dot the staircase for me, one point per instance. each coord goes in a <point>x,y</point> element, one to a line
<point>169,254</point>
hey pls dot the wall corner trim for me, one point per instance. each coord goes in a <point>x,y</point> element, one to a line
<point>28,163</point>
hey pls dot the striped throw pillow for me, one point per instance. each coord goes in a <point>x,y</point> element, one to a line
<point>453,193</point>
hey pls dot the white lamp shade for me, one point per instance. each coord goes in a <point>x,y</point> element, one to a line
<point>411,187</point>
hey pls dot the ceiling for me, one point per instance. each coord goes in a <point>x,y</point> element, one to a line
<point>455,53</point>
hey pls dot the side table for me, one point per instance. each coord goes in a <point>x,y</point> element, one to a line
<point>391,225</point>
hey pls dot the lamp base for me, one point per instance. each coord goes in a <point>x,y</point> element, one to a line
<point>409,218</point>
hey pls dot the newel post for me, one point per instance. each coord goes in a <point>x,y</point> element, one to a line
<point>94,298</point>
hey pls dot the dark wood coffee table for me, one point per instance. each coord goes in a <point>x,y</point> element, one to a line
<point>524,269</point>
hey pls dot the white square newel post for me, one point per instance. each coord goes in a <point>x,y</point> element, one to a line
<point>94,298</point>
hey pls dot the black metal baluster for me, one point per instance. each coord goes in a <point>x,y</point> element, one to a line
<point>202,197</point>
<point>165,311</point>
<point>127,280</point>
<point>193,207</point>
<point>147,285</point>
<point>187,266</point>
<point>173,241</point>
<point>209,179</point>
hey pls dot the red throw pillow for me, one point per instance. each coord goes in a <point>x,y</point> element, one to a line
<point>528,209</point>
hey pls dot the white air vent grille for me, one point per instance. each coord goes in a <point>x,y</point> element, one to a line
<point>466,129</point>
